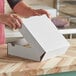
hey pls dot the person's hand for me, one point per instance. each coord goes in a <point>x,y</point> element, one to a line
<point>24,10</point>
<point>28,12</point>
<point>41,12</point>
<point>11,20</point>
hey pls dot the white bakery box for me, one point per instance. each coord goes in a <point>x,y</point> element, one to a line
<point>43,38</point>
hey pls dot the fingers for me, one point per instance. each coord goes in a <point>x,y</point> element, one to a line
<point>12,25</point>
<point>18,20</point>
<point>41,12</point>
<point>15,21</point>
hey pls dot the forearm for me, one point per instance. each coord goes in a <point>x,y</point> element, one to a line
<point>21,8</point>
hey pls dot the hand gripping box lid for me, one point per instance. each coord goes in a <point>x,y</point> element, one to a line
<point>43,37</point>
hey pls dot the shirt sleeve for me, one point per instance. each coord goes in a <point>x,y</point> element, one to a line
<point>12,3</point>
